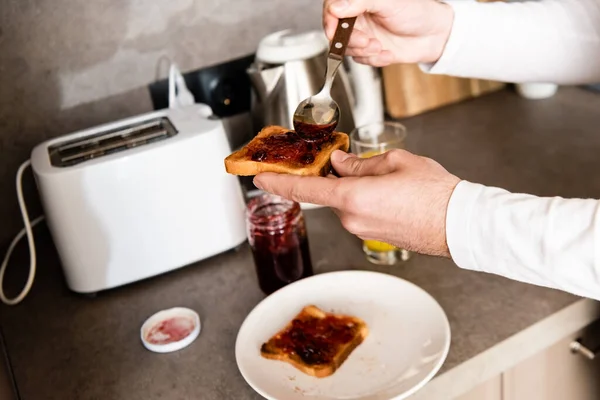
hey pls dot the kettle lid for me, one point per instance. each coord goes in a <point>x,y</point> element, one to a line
<point>283,46</point>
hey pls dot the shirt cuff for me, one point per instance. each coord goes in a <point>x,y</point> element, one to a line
<point>462,26</point>
<point>459,222</point>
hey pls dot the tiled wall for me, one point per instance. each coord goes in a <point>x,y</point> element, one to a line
<point>71,64</point>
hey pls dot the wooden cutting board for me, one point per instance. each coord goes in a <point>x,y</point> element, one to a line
<point>409,91</point>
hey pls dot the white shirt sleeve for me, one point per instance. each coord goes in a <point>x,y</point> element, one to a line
<point>552,242</point>
<point>546,241</point>
<point>553,41</point>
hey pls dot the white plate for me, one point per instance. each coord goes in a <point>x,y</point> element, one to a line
<point>409,338</point>
<point>310,206</point>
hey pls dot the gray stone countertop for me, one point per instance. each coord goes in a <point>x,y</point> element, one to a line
<point>65,346</point>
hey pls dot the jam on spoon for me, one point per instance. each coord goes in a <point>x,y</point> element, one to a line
<point>316,117</point>
<point>312,132</point>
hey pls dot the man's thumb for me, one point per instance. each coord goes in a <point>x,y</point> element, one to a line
<point>350,8</point>
<point>350,165</point>
<point>346,164</point>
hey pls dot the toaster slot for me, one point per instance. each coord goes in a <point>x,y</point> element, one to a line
<point>77,151</point>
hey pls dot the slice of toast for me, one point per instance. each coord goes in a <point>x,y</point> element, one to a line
<point>277,149</point>
<point>316,342</point>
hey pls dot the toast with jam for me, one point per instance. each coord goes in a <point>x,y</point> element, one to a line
<point>316,342</point>
<point>280,150</point>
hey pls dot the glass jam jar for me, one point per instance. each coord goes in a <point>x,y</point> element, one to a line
<point>277,236</point>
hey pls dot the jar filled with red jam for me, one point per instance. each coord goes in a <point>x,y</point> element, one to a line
<point>277,237</point>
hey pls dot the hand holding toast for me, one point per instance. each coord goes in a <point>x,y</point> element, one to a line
<point>396,197</point>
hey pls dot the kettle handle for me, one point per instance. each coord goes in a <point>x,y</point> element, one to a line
<point>367,93</point>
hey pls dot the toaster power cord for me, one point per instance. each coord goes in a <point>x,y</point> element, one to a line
<point>27,230</point>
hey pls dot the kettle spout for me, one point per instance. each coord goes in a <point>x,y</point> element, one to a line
<point>265,80</point>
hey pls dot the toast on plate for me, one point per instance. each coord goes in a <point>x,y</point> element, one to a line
<point>316,342</point>
<point>280,150</point>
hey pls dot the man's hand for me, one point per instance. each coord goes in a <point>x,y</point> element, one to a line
<point>392,31</point>
<point>397,197</point>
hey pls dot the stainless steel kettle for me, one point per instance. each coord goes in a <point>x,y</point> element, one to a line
<point>291,67</point>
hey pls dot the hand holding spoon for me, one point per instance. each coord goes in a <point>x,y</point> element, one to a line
<point>316,117</point>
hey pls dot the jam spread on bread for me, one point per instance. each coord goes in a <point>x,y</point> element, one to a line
<point>314,133</point>
<point>284,151</point>
<point>287,146</point>
<point>316,340</point>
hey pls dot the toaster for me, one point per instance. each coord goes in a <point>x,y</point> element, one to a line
<point>139,197</point>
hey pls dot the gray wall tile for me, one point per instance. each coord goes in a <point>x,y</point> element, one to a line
<point>69,64</point>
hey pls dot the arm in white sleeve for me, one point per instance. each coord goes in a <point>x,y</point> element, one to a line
<point>545,241</point>
<point>553,41</point>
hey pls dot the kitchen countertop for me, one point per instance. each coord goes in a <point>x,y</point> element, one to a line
<point>66,346</point>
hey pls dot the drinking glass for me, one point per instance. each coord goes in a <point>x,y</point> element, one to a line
<point>367,141</point>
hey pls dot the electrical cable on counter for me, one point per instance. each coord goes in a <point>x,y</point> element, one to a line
<point>179,96</point>
<point>26,231</point>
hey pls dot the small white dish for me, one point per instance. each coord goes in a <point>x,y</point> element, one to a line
<point>408,341</point>
<point>536,91</point>
<point>170,330</point>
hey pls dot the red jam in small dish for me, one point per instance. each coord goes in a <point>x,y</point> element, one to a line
<point>170,330</point>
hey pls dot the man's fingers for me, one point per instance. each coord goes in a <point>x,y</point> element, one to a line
<point>333,10</point>
<point>350,165</point>
<point>359,39</point>
<point>372,48</point>
<point>337,212</point>
<point>329,20</point>
<point>382,59</point>
<point>303,189</point>
<point>350,8</point>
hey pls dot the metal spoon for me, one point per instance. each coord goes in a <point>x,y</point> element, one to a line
<point>317,116</point>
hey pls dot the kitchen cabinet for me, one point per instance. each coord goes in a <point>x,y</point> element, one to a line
<point>489,390</point>
<point>557,373</point>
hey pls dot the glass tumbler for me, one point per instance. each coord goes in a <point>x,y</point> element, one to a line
<point>371,140</point>
<point>277,236</point>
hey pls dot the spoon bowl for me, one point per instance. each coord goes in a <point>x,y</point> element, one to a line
<point>317,110</point>
<point>316,117</point>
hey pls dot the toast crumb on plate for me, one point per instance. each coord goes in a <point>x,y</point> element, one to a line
<point>277,149</point>
<point>316,342</point>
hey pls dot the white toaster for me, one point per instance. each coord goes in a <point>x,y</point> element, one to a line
<point>139,197</point>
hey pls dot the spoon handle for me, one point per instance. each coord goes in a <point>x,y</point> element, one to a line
<point>341,37</point>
